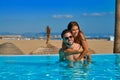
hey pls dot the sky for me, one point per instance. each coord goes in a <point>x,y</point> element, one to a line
<point>21,16</point>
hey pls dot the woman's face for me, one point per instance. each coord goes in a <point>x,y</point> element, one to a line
<point>75,31</point>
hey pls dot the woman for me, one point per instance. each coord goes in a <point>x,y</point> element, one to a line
<point>78,38</point>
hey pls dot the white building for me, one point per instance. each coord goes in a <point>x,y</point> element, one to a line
<point>111,38</point>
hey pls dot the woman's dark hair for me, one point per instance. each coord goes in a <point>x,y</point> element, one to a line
<point>71,24</point>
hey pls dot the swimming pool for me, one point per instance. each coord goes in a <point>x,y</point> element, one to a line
<point>47,67</point>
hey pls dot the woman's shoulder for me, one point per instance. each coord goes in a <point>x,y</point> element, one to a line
<point>81,35</point>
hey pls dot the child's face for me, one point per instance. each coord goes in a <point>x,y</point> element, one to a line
<point>68,38</point>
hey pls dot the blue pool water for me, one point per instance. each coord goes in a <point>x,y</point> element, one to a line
<point>47,67</point>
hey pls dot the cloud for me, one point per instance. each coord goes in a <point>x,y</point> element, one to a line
<point>62,16</point>
<point>97,14</point>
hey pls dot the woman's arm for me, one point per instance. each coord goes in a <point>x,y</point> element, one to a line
<point>71,50</point>
<point>84,45</point>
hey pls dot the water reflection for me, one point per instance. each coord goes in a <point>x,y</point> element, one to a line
<point>78,72</point>
<point>117,67</point>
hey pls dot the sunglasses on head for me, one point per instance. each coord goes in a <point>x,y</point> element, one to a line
<point>68,37</point>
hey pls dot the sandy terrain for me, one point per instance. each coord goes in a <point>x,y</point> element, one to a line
<point>27,46</point>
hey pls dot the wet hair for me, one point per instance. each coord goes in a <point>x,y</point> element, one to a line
<point>65,31</point>
<point>71,24</point>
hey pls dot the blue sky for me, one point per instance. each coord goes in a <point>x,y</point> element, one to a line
<point>93,16</point>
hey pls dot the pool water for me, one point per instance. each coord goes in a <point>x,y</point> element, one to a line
<point>47,67</point>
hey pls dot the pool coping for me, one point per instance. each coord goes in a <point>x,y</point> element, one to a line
<point>58,54</point>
